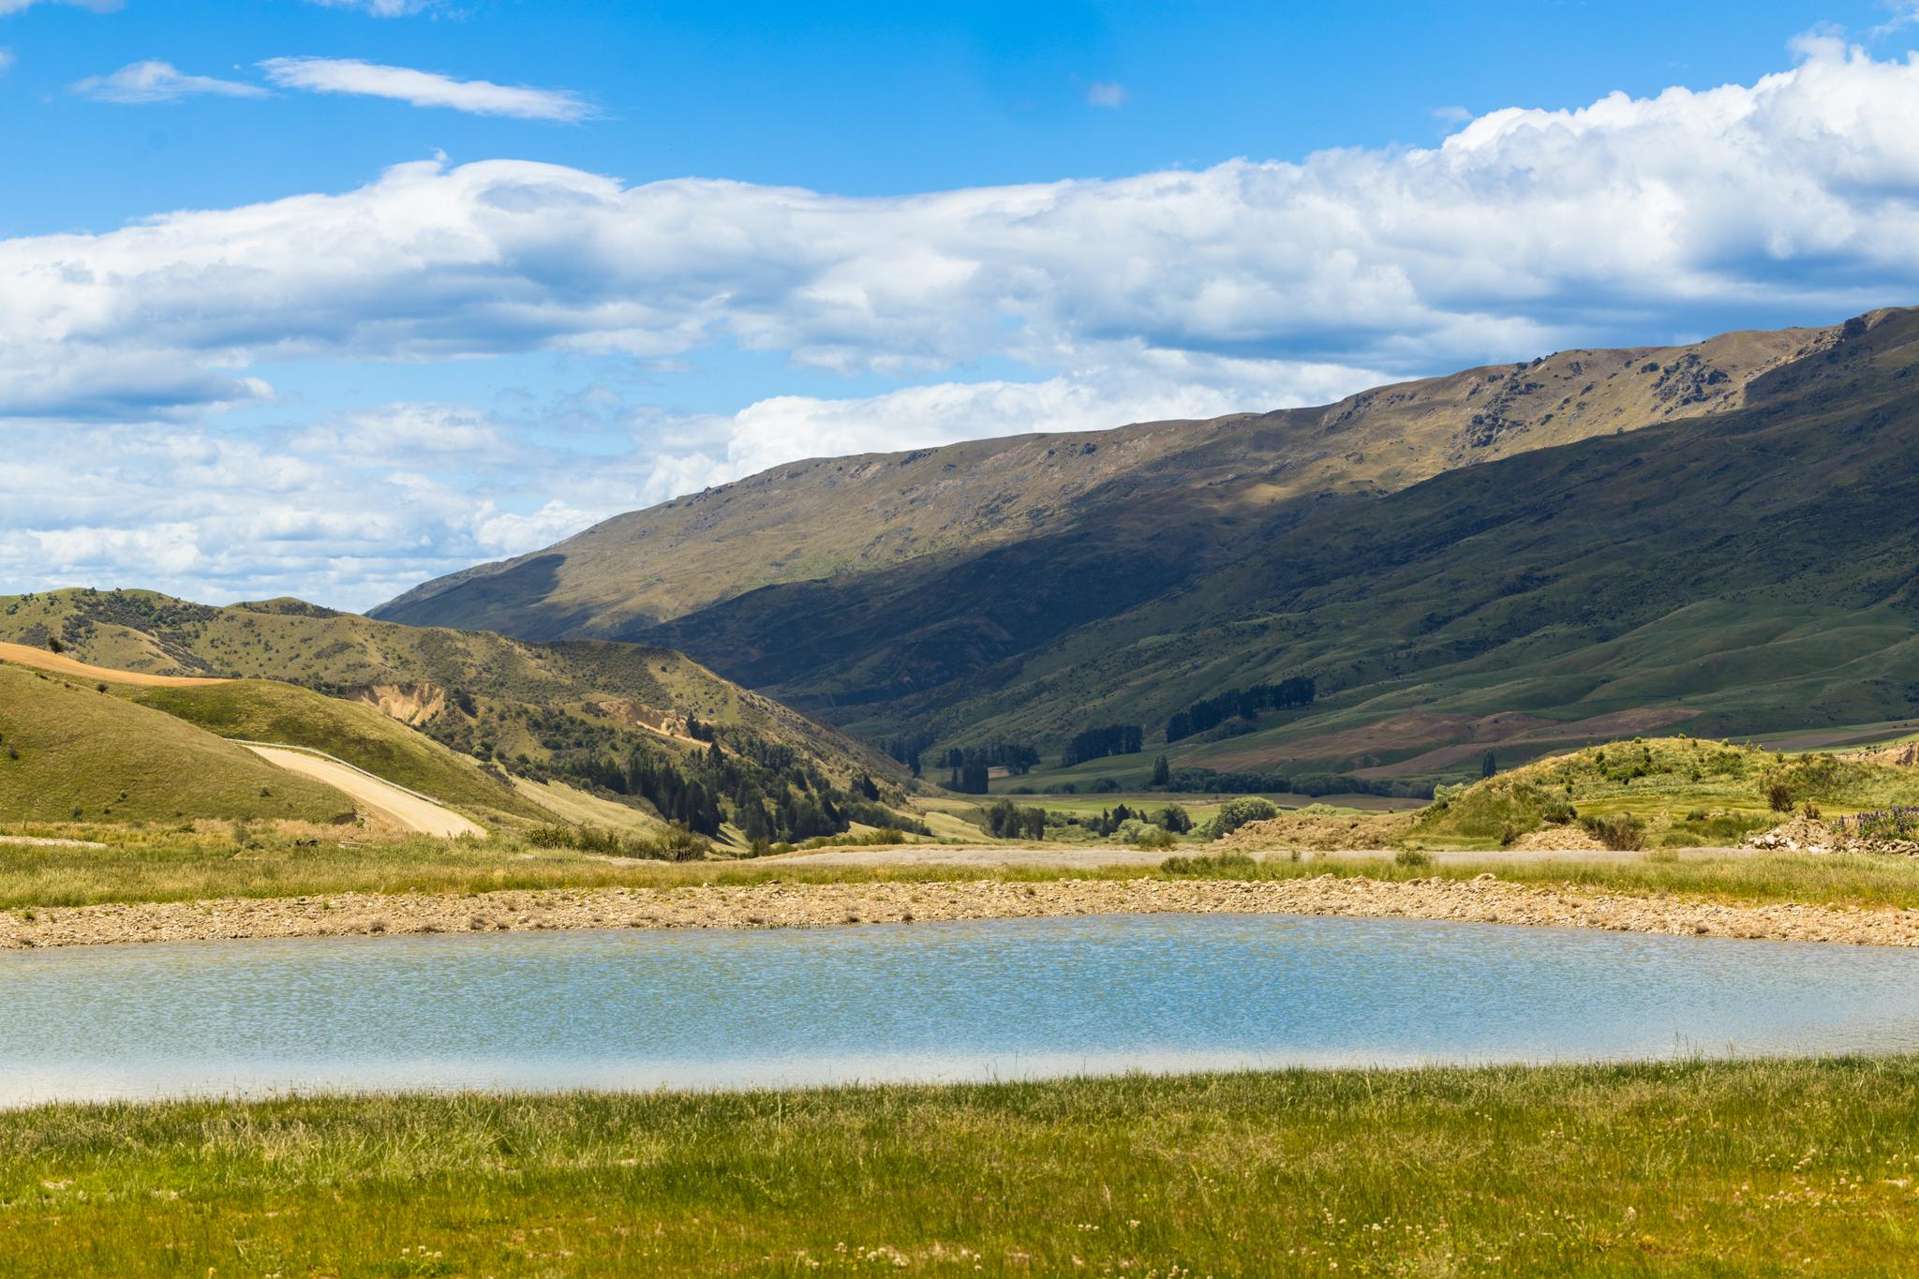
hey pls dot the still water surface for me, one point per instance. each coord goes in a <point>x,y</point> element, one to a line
<point>925,1001</point>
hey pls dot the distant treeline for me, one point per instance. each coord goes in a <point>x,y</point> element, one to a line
<point>1098,743</point>
<point>969,767</point>
<point>1243,702</point>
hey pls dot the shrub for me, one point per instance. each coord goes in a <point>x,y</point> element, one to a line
<point>1174,819</point>
<point>1235,813</point>
<point>1779,795</point>
<point>1211,866</point>
<point>1411,857</point>
<point>1621,832</point>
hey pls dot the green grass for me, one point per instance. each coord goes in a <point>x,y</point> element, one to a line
<point>172,864</point>
<point>1762,1168</point>
<point>165,863</point>
<point>1858,880</point>
<point>265,711</point>
<point>72,752</point>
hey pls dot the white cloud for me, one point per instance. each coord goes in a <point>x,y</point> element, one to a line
<point>1903,13</point>
<point>97,6</point>
<point>1452,115</point>
<point>383,8</point>
<point>154,81</point>
<point>7,60</point>
<point>426,89</point>
<point>1106,93</point>
<point>1248,285</point>
<point>1794,198</point>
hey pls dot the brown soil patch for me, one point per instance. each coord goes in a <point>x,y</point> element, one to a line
<point>411,704</point>
<point>1321,831</point>
<point>1558,839</point>
<point>61,664</point>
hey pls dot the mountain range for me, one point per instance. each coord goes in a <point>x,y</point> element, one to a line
<point>1718,537</point>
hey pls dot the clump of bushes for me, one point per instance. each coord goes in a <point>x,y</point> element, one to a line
<point>1212,866</point>
<point>676,845</point>
<point>1235,813</point>
<point>1621,832</point>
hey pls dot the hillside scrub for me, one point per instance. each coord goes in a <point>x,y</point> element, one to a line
<point>1664,792</point>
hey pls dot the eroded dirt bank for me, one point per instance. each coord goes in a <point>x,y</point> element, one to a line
<point>815,905</point>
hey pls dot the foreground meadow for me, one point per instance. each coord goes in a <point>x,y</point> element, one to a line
<point>1788,1167</point>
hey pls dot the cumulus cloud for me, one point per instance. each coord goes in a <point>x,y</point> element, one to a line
<point>1524,230</point>
<point>1248,285</point>
<point>155,81</point>
<point>426,89</point>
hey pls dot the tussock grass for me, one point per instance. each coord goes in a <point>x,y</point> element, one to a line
<point>1777,1167</point>
<point>218,860</point>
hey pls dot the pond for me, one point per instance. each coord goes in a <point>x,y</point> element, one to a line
<point>930,1002</point>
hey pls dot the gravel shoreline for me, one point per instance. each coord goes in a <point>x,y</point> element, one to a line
<point>1482,900</point>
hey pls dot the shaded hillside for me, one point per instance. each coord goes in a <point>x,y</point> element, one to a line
<point>843,518</point>
<point>1742,561</point>
<point>69,752</point>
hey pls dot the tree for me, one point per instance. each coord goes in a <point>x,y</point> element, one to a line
<point>1162,772</point>
<point>1175,819</point>
<point>1489,765</point>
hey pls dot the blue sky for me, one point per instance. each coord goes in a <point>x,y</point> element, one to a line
<point>250,355</point>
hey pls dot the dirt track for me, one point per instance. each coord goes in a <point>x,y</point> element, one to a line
<point>61,664</point>
<point>404,807</point>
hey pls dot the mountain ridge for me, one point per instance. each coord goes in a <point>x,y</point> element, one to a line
<point>1229,550</point>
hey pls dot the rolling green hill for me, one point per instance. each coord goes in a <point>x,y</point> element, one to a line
<point>1513,560</point>
<point>69,752</point>
<point>640,727</point>
<point>283,714</point>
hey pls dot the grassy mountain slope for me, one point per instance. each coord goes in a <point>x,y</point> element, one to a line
<point>71,752</point>
<point>1743,570</point>
<point>1518,559</point>
<point>847,517</point>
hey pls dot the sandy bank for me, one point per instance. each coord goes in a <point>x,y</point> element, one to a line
<point>816,905</point>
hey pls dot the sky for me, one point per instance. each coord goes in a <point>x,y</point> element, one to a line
<point>328,297</point>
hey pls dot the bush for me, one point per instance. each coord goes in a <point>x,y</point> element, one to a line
<point>1235,813</point>
<point>1779,795</point>
<point>1411,857</point>
<point>1141,835</point>
<point>1621,832</point>
<point>676,845</point>
<point>1211,866</point>
<point>1174,819</point>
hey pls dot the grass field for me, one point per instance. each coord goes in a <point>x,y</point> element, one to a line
<point>1768,1168</point>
